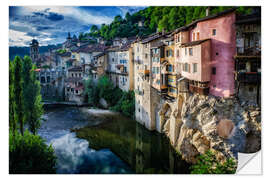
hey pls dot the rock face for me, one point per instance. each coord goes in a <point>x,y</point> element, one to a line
<point>103,103</point>
<point>222,125</point>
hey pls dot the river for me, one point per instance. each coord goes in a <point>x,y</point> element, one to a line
<point>93,141</point>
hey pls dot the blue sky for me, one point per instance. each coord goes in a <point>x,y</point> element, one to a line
<point>50,25</point>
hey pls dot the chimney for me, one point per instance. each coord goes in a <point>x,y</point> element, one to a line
<point>163,31</point>
<point>207,11</point>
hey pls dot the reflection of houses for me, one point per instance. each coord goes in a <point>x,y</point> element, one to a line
<point>74,84</point>
<point>248,57</point>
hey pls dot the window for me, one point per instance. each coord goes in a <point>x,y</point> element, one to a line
<point>170,68</point>
<point>250,89</point>
<point>214,32</point>
<point>193,36</point>
<point>77,91</point>
<point>138,49</point>
<point>198,36</point>
<point>190,51</point>
<point>195,67</point>
<point>216,53</point>
<point>177,53</point>
<point>213,70</point>
<point>145,55</point>
<point>186,67</point>
<point>112,59</point>
<point>185,51</point>
<point>172,90</point>
<point>170,53</point>
<point>167,53</point>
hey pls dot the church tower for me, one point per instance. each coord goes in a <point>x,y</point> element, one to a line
<point>34,50</point>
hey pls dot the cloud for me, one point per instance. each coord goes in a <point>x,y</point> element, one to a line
<point>50,25</point>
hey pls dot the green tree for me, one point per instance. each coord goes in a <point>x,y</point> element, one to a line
<point>12,120</point>
<point>163,24</point>
<point>208,164</point>
<point>33,109</point>
<point>18,92</point>
<point>91,92</point>
<point>29,154</point>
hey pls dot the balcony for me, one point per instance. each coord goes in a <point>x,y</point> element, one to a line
<point>249,77</point>
<point>163,87</point>
<point>145,71</point>
<point>200,90</point>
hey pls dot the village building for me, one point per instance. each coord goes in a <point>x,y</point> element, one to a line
<point>74,85</point>
<point>147,98</point>
<point>207,47</point>
<point>248,57</point>
<point>99,66</point>
<point>120,65</point>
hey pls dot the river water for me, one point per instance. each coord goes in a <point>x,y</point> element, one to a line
<point>88,141</point>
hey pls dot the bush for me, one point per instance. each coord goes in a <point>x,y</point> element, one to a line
<point>29,154</point>
<point>117,99</point>
<point>126,104</point>
<point>91,92</point>
<point>208,164</point>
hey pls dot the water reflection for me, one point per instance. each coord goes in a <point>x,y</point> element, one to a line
<point>117,145</point>
<point>75,156</point>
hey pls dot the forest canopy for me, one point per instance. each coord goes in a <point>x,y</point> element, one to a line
<point>154,18</point>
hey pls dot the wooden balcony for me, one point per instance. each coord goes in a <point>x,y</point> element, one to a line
<point>249,77</point>
<point>145,71</point>
<point>200,90</point>
<point>163,87</point>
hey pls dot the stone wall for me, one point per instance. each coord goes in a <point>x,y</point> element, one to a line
<point>196,123</point>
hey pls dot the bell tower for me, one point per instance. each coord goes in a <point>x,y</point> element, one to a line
<point>34,50</point>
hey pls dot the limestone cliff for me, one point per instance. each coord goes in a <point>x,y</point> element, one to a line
<point>222,125</point>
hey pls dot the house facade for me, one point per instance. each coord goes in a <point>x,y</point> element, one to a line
<point>248,58</point>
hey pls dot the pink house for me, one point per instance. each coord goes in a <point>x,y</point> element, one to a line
<point>206,55</point>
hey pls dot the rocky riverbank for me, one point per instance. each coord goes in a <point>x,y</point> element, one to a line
<point>225,126</point>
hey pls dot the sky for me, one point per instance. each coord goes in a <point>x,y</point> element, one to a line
<point>50,25</point>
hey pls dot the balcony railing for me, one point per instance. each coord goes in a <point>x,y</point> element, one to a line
<point>144,71</point>
<point>200,90</point>
<point>249,77</point>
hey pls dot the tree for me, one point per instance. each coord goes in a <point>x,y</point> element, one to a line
<point>163,24</point>
<point>29,154</point>
<point>208,164</point>
<point>18,92</point>
<point>12,120</point>
<point>91,92</point>
<point>93,29</point>
<point>31,94</point>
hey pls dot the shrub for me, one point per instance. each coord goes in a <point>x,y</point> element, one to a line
<point>29,154</point>
<point>208,164</point>
<point>126,104</point>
